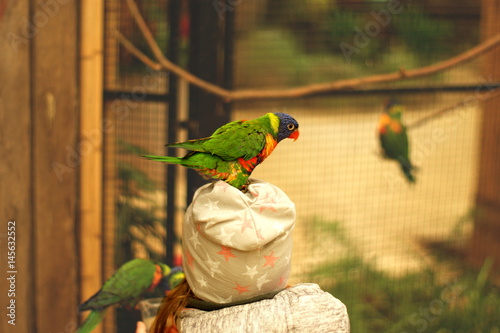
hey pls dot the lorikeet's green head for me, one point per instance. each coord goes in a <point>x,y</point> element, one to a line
<point>287,126</point>
<point>394,109</point>
<point>165,269</point>
<point>173,279</point>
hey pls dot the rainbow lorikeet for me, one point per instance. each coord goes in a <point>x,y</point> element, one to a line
<point>126,287</point>
<point>393,138</point>
<point>233,151</point>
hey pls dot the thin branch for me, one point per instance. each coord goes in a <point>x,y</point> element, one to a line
<point>466,101</point>
<point>312,89</point>
<point>136,52</point>
<point>167,64</point>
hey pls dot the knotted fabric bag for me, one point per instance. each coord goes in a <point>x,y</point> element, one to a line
<point>237,245</point>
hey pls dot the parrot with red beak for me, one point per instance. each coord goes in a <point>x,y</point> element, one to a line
<point>233,151</point>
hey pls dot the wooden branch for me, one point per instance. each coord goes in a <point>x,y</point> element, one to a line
<point>167,64</point>
<point>481,98</point>
<point>312,89</point>
<point>136,52</point>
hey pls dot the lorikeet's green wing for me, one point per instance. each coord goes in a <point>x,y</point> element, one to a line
<point>237,139</point>
<point>395,144</point>
<point>244,139</point>
<point>129,282</point>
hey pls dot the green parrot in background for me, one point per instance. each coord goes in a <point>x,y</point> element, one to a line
<point>393,138</point>
<point>126,287</point>
<point>233,151</point>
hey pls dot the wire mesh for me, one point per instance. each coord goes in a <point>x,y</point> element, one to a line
<point>136,115</point>
<point>363,232</point>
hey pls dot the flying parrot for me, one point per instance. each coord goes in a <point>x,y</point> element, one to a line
<point>393,138</point>
<point>126,287</point>
<point>233,151</point>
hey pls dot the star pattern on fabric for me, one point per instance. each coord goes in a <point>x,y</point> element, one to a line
<point>223,300</point>
<point>226,253</point>
<point>288,258</point>
<point>270,260</point>
<point>282,280</point>
<point>201,280</point>
<point>254,193</point>
<point>194,240</point>
<point>260,281</point>
<point>264,207</point>
<point>247,223</point>
<point>259,234</point>
<point>211,205</point>
<point>241,289</point>
<point>268,203</point>
<point>213,266</point>
<point>251,271</point>
<point>225,237</point>
<point>190,259</point>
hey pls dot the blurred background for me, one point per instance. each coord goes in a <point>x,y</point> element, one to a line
<point>80,109</point>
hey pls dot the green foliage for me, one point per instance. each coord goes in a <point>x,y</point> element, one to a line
<point>343,27</point>
<point>138,213</point>
<point>417,302</point>
<point>424,36</point>
<point>273,57</point>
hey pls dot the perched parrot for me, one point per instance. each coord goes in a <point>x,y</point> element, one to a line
<point>235,149</point>
<point>174,279</point>
<point>126,287</point>
<point>393,138</point>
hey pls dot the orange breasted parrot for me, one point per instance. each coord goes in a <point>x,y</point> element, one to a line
<point>233,151</point>
<point>126,287</point>
<point>393,138</point>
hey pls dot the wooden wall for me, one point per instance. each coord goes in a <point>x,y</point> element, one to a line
<point>16,189</point>
<point>43,145</point>
<point>486,238</point>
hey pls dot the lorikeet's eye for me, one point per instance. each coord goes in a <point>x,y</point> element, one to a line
<point>291,127</point>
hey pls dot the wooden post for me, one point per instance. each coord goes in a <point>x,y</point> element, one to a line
<point>15,169</point>
<point>91,133</point>
<point>110,179</point>
<point>485,241</point>
<point>206,112</point>
<point>55,164</point>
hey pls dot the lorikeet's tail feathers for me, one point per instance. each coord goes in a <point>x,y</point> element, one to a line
<point>184,161</point>
<point>166,159</point>
<point>195,145</point>
<point>407,168</point>
<point>94,318</point>
<point>408,171</point>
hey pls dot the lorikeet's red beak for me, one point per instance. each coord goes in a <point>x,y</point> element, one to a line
<point>294,135</point>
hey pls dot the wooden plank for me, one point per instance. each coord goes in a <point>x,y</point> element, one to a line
<point>109,210</point>
<point>111,58</point>
<point>486,237</point>
<point>15,168</point>
<point>91,132</point>
<point>56,161</point>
